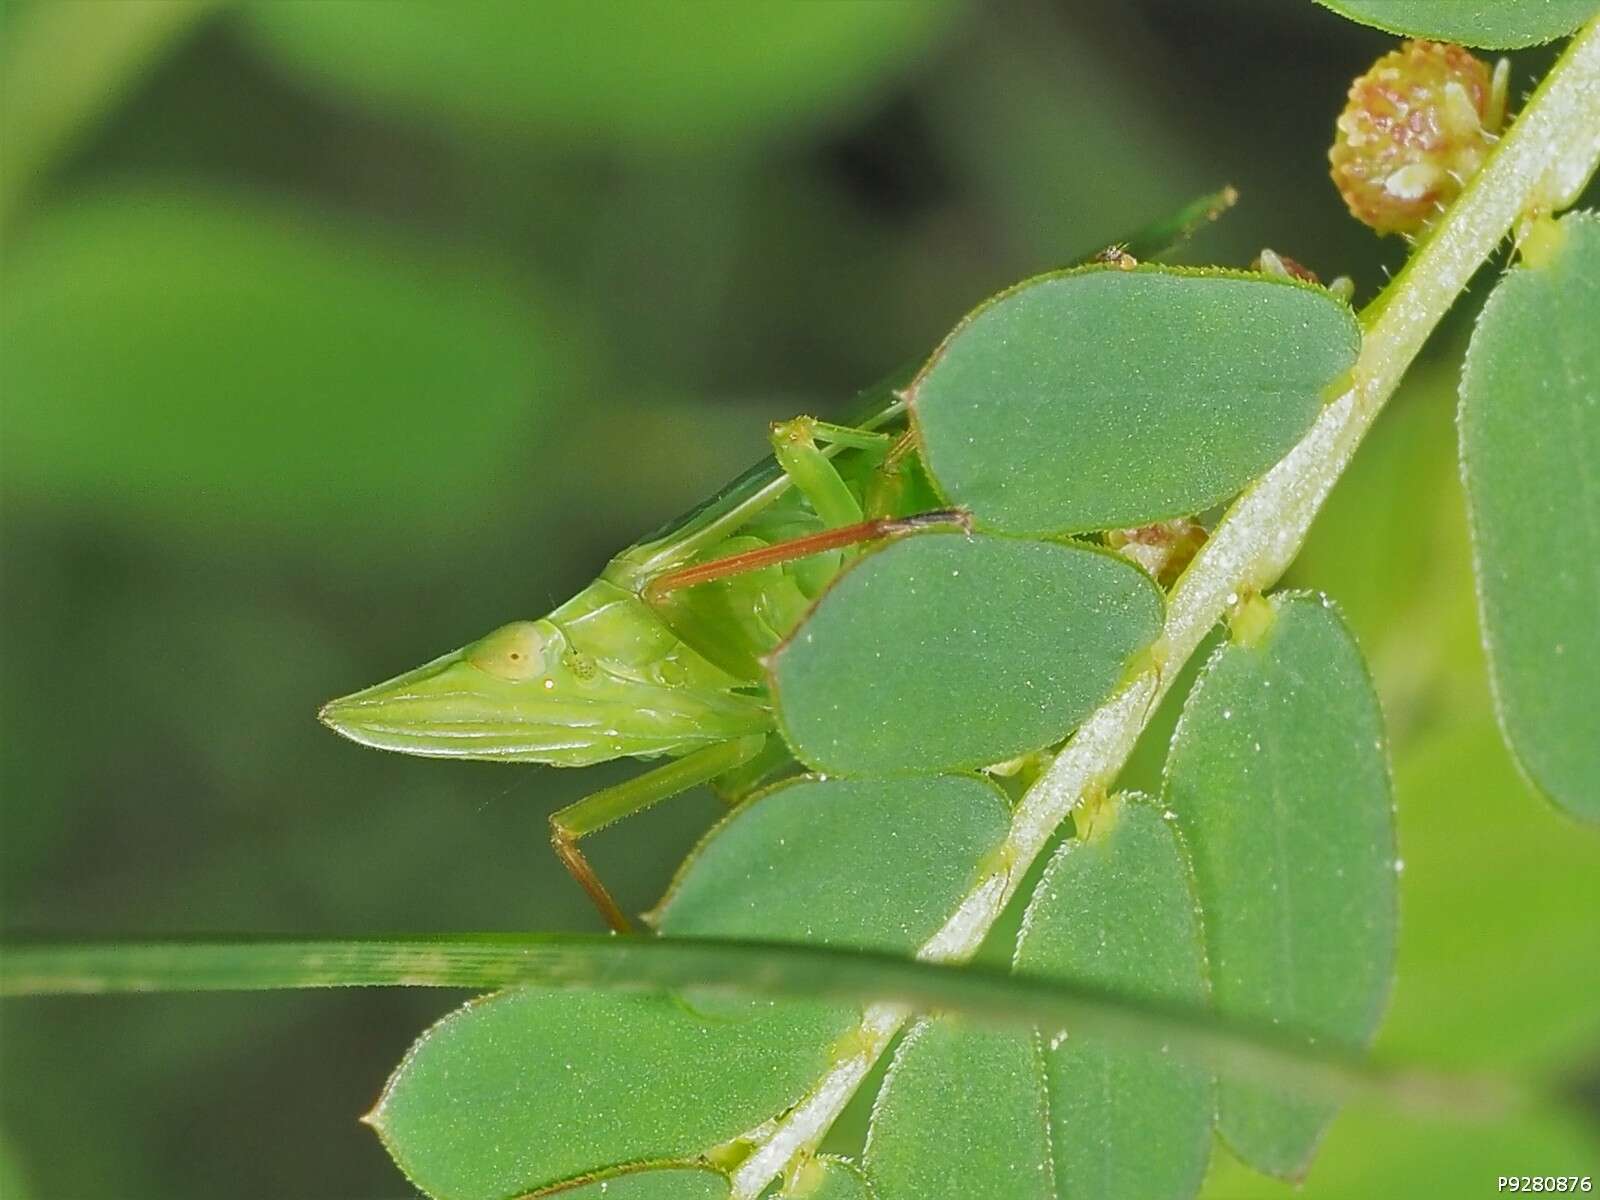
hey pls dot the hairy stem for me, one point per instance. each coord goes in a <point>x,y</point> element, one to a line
<point>1542,163</point>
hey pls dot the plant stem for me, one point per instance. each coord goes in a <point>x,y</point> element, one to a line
<point>1542,163</point>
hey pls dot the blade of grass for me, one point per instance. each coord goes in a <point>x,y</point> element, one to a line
<point>478,961</point>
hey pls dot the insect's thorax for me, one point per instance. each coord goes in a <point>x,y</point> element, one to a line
<point>658,694</point>
<point>735,622</point>
<point>610,628</point>
<point>704,645</point>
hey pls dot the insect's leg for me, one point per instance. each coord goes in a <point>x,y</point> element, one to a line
<point>794,445</point>
<point>889,488</point>
<point>596,811</point>
<point>733,786</point>
<point>800,547</point>
<point>849,435</point>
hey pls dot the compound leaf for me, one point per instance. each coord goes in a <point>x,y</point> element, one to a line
<point>1530,452</point>
<point>1098,398</point>
<point>947,651</point>
<point>525,1090</point>
<point>1278,778</point>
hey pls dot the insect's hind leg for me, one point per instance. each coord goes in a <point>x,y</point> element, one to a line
<point>794,445</point>
<point>596,811</point>
<point>736,785</point>
<point>662,586</point>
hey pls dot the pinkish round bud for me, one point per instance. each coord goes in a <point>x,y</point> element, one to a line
<point>1419,124</point>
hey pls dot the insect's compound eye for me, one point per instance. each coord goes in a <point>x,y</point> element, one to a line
<point>1418,126</point>
<point>514,652</point>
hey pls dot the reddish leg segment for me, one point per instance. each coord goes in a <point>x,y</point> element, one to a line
<point>801,547</point>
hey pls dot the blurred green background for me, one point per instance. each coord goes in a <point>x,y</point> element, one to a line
<point>334,334</point>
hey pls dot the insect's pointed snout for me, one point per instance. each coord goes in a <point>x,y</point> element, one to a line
<point>335,714</point>
<point>469,705</point>
<point>346,716</point>
<point>390,714</point>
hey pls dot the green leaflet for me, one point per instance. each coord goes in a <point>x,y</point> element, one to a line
<point>705,74</point>
<point>1278,778</point>
<point>992,1141</point>
<point>948,651</point>
<point>1118,909</point>
<point>1493,24</point>
<point>1485,912</point>
<point>669,1184</point>
<point>822,1179</point>
<point>1530,453</point>
<point>525,1089</point>
<point>281,325</point>
<point>829,1178</point>
<point>1075,1116</point>
<point>1141,394</point>
<point>817,861</point>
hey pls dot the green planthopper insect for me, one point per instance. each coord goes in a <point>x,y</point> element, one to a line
<point>661,656</point>
<point>959,487</point>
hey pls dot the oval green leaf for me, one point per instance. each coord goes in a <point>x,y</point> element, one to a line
<point>689,1184</point>
<point>705,73</point>
<point>166,355</point>
<point>994,1142</point>
<point>1492,24</point>
<point>948,651</point>
<point>829,1178</point>
<point>1530,453</point>
<point>1100,398</point>
<point>873,864</point>
<point>526,1090</point>
<point>1117,909</point>
<point>1279,779</point>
